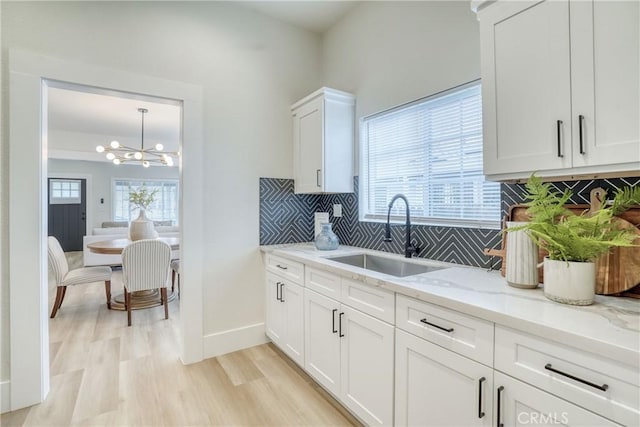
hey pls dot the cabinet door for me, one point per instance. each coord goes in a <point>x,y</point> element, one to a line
<point>308,141</point>
<point>519,404</point>
<point>526,86</point>
<point>274,309</point>
<point>322,343</point>
<point>293,344</point>
<point>367,366</point>
<point>605,61</point>
<point>436,387</point>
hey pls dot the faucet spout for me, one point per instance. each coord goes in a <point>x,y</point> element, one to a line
<point>409,248</point>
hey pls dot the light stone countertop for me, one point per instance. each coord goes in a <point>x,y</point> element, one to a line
<point>610,327</point>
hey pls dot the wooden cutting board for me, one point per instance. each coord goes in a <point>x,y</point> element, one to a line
<point>618,273</point>
<point>619,270</point>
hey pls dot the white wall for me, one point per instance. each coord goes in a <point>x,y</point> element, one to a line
<point>251,68</point>
<point>390,53</point>
<point>102,174</point>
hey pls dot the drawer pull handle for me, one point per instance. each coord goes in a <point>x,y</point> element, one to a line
<point>499,422</point>
<point>333,321</point>
<point>318,178</point>
<point>480,411</point>
<point>580,126</point>
<point>340,334</point>
<point>436,326</point>
<point>603,387</point>
<point>281,267</point>
<point>559,136</point>
<point>278,291</point>
<point>281,294</point>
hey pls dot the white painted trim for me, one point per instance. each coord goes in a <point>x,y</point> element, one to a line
<point>88,196</point>
<point>234,339</point>
<point>5,396</point>
<point>27,221</point>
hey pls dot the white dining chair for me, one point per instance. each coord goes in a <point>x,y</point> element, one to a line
<point>79,276</point>
<point>145,266</point>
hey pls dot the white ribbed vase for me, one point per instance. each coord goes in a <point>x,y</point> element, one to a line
<point>521,270</point>
<point>142,228</point>
<point>570,282</point>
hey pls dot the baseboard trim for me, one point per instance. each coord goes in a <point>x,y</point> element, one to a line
<point>5,396</point>
<point>234,339</point>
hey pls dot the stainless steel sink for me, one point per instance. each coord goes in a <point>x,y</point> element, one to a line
<point>390,266</point>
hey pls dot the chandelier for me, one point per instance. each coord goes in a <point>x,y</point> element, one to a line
<point>120,154</point>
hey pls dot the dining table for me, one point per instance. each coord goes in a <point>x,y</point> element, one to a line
<point>139,299</point>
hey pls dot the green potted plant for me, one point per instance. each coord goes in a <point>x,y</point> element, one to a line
<point>142,227</point>
<point>573,241</point>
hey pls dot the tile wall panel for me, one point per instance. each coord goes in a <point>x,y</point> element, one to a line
<point>288,218</point>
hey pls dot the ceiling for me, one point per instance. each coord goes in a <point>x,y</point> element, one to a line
<point>313,15</point>
<point>81,118</point>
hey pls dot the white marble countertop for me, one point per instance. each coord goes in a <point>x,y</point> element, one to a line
<point>611,326</point>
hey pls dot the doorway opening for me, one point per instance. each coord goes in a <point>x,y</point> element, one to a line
<point>89,202</point>
<point>30,76</point>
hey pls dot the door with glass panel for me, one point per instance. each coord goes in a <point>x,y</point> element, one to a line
<point>67,212</point>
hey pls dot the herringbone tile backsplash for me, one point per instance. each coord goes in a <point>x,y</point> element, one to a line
<point>286,217</point>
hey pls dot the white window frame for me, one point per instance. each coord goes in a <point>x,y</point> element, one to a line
<point>65,200</point>
<point>143,180</point>
<point>398,219</point>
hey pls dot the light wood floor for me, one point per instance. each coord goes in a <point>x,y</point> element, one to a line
<point>105,373</point>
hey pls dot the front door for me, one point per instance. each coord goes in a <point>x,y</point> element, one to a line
<point>68,212</point>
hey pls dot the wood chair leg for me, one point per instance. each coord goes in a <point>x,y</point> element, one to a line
<point>107,291</point>
<point>173,281</point>
<point>58,302</point>
<point>127,303</point>
<point>163,291</point>
<point>64,292</point>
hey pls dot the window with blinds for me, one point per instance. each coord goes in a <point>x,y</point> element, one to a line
<point>163,208</point>
<point>430,151</point>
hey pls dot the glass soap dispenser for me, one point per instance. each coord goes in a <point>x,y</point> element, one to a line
<point>326,240</point>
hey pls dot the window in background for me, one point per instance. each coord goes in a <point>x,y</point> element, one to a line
<point>431,151</point>
<point>65,191</point>
<point>164,208</point>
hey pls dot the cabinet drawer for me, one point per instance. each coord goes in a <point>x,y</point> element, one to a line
<point>376,302</point>
<point>291,270</point>
<point>463,334</point>
<point>522,404</point>
<point>531,359</point>
<point>323,282</point>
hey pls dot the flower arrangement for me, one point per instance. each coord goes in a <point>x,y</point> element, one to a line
<point>570,237</point>
<point>142,198</point>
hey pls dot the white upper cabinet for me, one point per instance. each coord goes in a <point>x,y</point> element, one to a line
<point>561,91</point>
<point>605,77</point>
<point>323,132</point>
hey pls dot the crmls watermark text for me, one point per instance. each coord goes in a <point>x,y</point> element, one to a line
<point>550,418</point>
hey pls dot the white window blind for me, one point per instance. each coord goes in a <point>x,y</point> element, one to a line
<point>164,207</point>
<point>430,151</point>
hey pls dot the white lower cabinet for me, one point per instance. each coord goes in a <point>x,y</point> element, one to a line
<point>436,387</point>
<point>519,404</point>
<point>285,316</point>
<point>435,366</point>
<point>351,354</point>
<point>322,343</point>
